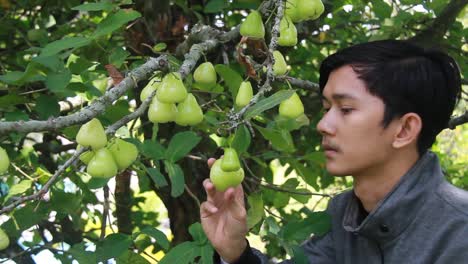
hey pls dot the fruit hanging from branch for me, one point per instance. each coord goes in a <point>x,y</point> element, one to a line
<point>4,240</point>
<point>310,9</point>
<point>288,32</point>
<point>102,165</point>
<point>252,26</point>
<point>92,135</point>
<point>152,86</point>
<point>189,112</point>
<point>244,94</point>
<point>4,160</point>
<point>123,152</point>
<point>280,67</point>
<point>172,89</point>
<point>205,75</point>
<point>159,112</point>
<point>291,107</point>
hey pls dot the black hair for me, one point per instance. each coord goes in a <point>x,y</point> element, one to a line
<point>408,78</point>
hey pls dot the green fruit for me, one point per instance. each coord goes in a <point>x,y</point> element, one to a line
<point>102,165</point>
<point>230,160</point>
<point>124,153</point>
<point>172,89</point>
<point>159,112</point>
<point>291,107</point>
<point>36,34</point>
<point>292,10</point>
<point>92,135</point>
<point>288,32</point>
<point>189,112</point>
<point>205,75</point>
<point>4,160</point>
<point>244,95</point>
<point>252,26</point>
<point>310,9</point>
<point>86,156</point>
<point>4,240</point>
<point>225,179</point>
<point>280,67</point>
<point>153,85</point>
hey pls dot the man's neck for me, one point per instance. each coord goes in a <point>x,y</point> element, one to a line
<point>373,185</point>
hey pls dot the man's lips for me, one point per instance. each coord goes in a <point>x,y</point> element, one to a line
<point>329,149</point>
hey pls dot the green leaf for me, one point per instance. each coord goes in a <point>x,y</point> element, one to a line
<point>103,5</point>
<point>64,44</point>
<point>115,21</point>
<point>231,78</point>
<point>308,173</point>
<point>280,139</point>
<point>207,252</point>
<point>197,233</point>
<point>57,82</point>
<point>181,144</point>
<point>317,223</point>
<point>19,188</point>
<point>183,253</point>
<point>118,57</point>
<point>157,177</point>
<point>382,9</point>
<point>52,62</point>
<point>159,47</point>
<point>160,237</point>
<point>152,149</point>
<point>256,212</point>
<point>11,99</point>
<point>215,6</point>
<point>67,203</point>
<point>300,197</point>
<point>79,253</point>
<point>130,257</point>
<point>114,245</point>
<point>273,227</point>
<point>47,106</point>
<point>176,175</point>
<point>16,116</point>
<point>268,103</point>
<point>241,141</point>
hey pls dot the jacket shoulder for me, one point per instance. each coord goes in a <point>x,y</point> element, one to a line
<point>454,197</point>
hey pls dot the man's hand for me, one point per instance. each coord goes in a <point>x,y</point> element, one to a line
<point>224,219</point>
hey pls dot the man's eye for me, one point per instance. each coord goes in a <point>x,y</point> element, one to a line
<point>346,110</point>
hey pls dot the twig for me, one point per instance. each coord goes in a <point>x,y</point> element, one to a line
<point>105,212</point>
<point>192,195</point>
<point>459,120</point>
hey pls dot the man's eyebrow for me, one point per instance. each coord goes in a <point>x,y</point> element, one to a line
<point>338,97</point>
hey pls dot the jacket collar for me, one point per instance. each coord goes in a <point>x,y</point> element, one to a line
<point>399,208</point>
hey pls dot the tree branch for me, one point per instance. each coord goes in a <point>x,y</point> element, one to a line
<point>236,118</point>
<point>94,109</point>
<point>459,120</point>
<point>434,33</point>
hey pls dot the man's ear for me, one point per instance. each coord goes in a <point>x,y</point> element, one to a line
<point>408,130</point>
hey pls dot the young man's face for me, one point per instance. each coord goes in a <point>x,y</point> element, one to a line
<point>354,139</point>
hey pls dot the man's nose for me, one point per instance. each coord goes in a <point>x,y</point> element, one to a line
<point>324,126</point>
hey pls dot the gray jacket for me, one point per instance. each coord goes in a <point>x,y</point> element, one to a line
<point>423,219</point>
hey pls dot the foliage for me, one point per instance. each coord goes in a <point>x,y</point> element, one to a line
<point>59,57</point>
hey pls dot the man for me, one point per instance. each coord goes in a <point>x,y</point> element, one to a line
<point>385,102</point>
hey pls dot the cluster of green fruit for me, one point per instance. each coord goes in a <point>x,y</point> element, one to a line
<point>104,160</point>
<point>227,172</point>
<point>4,160</point>
<point>171,91</point>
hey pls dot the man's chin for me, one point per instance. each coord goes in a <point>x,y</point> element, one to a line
<point>337,172</point>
